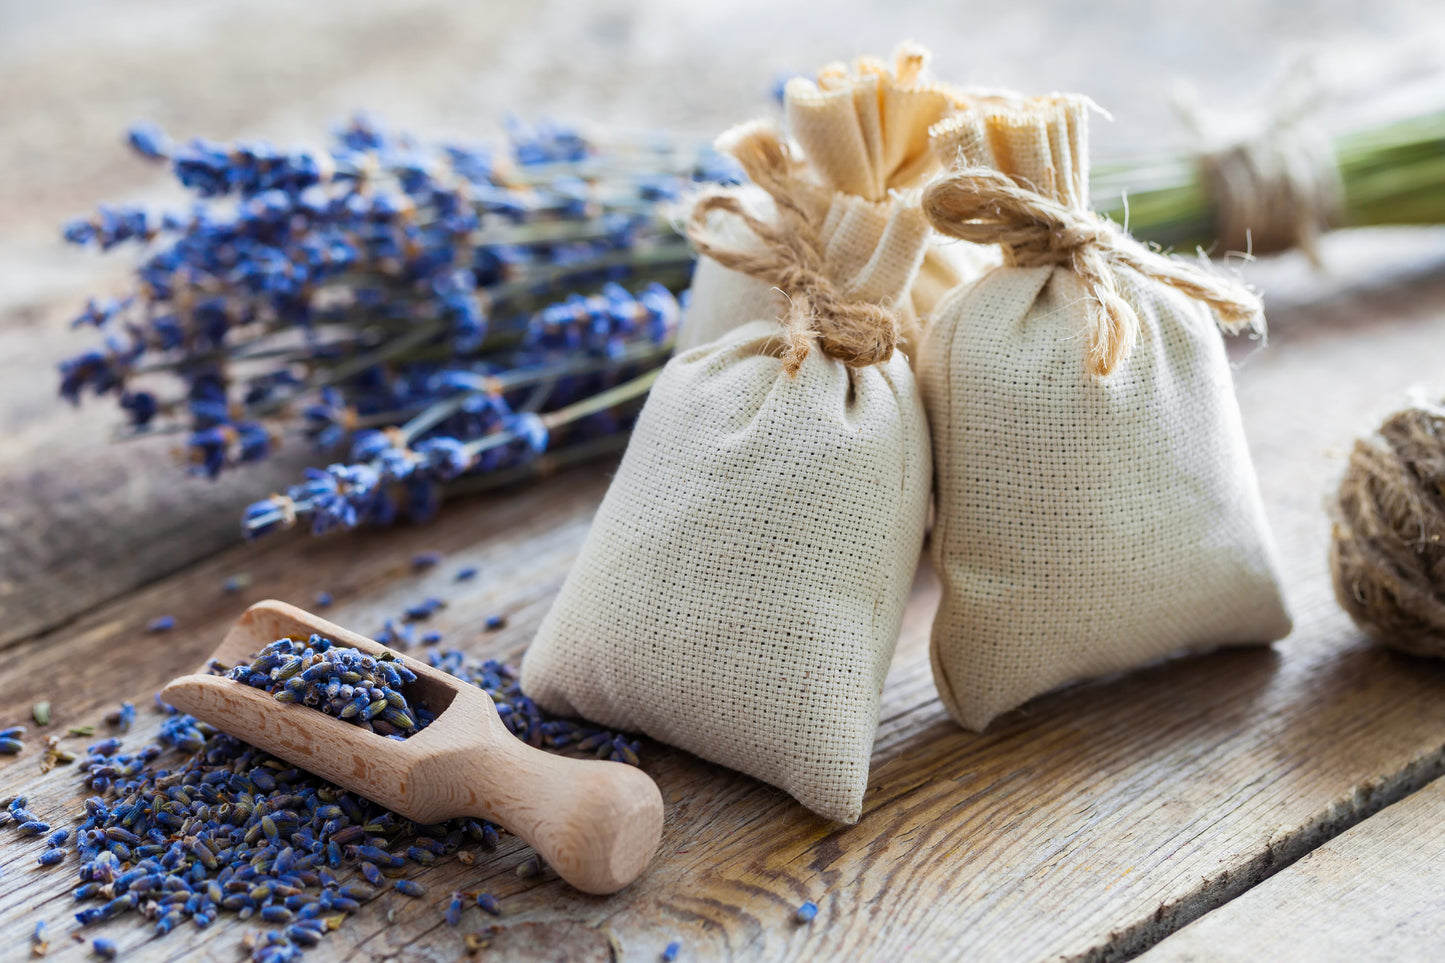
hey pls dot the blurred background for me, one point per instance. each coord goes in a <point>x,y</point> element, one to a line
<point>75,73</point>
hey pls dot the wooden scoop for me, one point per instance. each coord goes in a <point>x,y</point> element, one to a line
<point>596,823</point>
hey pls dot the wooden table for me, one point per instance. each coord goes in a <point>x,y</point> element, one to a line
<point>1252,804</point>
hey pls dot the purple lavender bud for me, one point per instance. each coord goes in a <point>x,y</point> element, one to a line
<point>531,430</point>
<point>148,140</point>
<point>79,231</point>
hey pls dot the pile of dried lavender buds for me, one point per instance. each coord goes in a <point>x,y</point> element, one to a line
<point>340,681</point>
<point>197,823</point>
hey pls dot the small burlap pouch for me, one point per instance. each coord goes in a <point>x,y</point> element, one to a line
<point>863,132</point>
<point>1097,508</point>
<point>740,591</point>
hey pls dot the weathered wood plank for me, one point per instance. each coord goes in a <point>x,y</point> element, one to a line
<point>78,525</point>
<point>82,521</point>
<point>1086,826</point>
<point>1372,893</point>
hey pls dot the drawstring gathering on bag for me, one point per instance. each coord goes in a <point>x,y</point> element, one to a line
<point>857,333</point>
<point>986,206</point>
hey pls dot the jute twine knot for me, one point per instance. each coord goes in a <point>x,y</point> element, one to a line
<point>1388,549</point>
<point>986,206</point>
<point>790,256</point>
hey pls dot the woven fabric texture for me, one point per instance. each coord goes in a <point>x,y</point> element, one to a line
<point>740,592</point>
<point>1085,525</point>
<point>863,129</point>
<point>720,299</point>
<point>874,249</point>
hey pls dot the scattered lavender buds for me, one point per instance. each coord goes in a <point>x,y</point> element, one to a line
<point>11,743</point>
<point>669,954</point>
<point>424,609</point>
<point>398,635</point>
<point>466,574</point>
<point>122,718</point>
<point>162,623</point>
<point>495,622</point>
<point>807,912</point>
<point>323,600</point>
<point>453,913</point>
<point>197,823</point>
<point>341,681</point>
<point>422,561</point>
<point>104,948</point>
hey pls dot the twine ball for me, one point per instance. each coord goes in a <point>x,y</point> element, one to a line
<point>1388,549</point>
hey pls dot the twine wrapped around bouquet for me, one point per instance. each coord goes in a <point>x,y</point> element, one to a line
<point>1387,553</point>
<point>1285,182</point>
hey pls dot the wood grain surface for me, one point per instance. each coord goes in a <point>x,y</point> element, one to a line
<point>596,823</point>
<point>1086,826</point>
<point>82,523</point>
<point>1372,893</point>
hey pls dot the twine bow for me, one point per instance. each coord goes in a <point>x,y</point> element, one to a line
<point>791,257</point>
<point>985,206</point>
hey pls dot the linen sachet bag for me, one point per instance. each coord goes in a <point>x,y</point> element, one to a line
<point>741,589</point>
<point>864,130</point>
<point>1097,508</point>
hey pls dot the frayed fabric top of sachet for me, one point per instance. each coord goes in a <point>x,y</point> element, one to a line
<point>1097,507</point>
<point>741,590</point>
<point>862,129</point>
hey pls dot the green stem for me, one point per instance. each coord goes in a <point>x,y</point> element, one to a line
<point>1391,174</point>
<point>540,466</point>
<point>611,398</point>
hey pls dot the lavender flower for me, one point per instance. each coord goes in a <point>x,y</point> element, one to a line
<point>443,311</point>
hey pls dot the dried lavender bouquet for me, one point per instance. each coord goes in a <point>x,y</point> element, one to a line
<point>428,315</point>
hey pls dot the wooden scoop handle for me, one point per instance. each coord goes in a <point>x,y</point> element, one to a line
<point>596,823</point>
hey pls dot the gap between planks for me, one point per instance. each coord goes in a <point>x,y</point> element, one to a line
<point>1086,827</point>
<point>1370,893</point>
